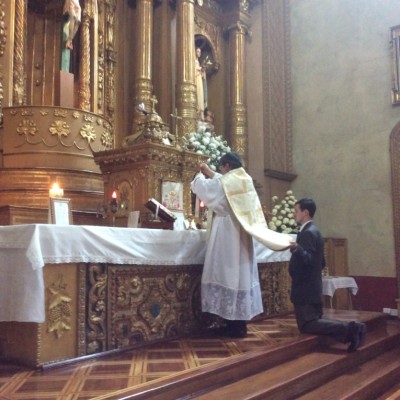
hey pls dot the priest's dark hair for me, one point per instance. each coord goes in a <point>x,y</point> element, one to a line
<point>307,204</point>
<point>232,159</point>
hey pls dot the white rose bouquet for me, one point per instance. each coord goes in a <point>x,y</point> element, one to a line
<point>204,142</point>
<point>281,217</point>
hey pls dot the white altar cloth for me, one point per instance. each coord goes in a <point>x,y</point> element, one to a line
<point>331,283</point>
<point>25,249</point>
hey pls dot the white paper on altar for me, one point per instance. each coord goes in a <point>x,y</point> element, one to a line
<point>25,249</point>
<point>179,224</point>
<point>133,219</point>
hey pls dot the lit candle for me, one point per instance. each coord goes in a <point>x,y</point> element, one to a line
<point>113,202</point>
<point>56,191</point>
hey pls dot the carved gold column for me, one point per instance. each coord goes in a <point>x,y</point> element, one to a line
<point>144,48</point>
<point>84,69</point>
<point>162,44</point>
<point>19,73</point>
<point>238,111</point>
<point>3,41</point>
<point>185,77</point>
<point>110,60</point>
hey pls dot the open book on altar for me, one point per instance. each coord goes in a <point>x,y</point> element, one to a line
<point>160,211</point>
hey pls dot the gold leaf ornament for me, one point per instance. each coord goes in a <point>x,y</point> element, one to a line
<point>60,128</point>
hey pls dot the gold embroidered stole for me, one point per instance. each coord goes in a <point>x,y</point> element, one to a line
<point>243,199</point>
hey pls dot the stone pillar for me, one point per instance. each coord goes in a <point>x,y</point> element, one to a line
<point>144,48</point>
<point>185,78</point>
<point>19,73</point>
<point>238,112</point>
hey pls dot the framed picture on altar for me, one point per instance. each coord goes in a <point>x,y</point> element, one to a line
<point>60,212</point>
<point>172,195</point>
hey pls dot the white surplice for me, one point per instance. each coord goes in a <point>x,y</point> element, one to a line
<point>230,284</point>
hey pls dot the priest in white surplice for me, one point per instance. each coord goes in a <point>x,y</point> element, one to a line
<point>230,284</point>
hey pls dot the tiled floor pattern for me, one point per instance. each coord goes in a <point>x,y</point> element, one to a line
<point>87,380</point>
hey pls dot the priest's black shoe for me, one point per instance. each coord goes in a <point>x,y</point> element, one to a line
<point>237,329</point>
<point>357,332</point>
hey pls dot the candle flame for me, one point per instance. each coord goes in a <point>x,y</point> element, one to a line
<point>114,194</point>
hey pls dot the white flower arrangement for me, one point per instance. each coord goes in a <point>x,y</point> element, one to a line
<point>205,142</point>
<point>281,217</point>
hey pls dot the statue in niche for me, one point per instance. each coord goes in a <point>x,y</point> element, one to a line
<point>72,15</point>
<point>209,119</point>
<point>205,66</point>
<point>201,85</point>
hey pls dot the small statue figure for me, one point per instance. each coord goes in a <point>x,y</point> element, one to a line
<point>72,13</point>
<point>201,84</point>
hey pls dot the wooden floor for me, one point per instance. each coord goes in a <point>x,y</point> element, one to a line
<point>136,369</point>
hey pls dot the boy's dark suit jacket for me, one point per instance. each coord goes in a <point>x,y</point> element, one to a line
<point>305,267</point>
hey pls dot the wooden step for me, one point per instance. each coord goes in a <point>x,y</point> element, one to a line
<point>364,382</point>
<point>392,393</point>
<point>210,378</point>
<point>288,380</point>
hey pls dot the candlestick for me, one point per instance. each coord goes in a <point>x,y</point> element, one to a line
<point>113,202</point>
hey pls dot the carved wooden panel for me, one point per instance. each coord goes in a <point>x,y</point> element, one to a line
<point>148,303</point>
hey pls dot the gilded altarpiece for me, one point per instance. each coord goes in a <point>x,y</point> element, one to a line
<point>93,308</point>
<point>132,305</point>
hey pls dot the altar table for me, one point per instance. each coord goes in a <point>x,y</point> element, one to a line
<point>331,283</point>
<point>88,289</point>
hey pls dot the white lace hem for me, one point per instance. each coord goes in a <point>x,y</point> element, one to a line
<point>231,304</point>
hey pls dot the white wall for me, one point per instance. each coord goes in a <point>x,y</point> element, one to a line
<point>342,119</point>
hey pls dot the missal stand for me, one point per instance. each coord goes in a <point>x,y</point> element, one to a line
<point>164,219</point>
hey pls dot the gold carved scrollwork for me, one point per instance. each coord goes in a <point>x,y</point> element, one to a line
<point>59,309</point>
<point>88,133</point>
<point>1,100</point>
<point>274,287</point>
<point>96,323</point>
<point>19,73</point>
<point>110,59</point>
<point>3,29</point>
<point>72,129</point>
<point>107,139</point>
<point>27,127</point>
<point>60,128</point>
<point>150,303</point>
